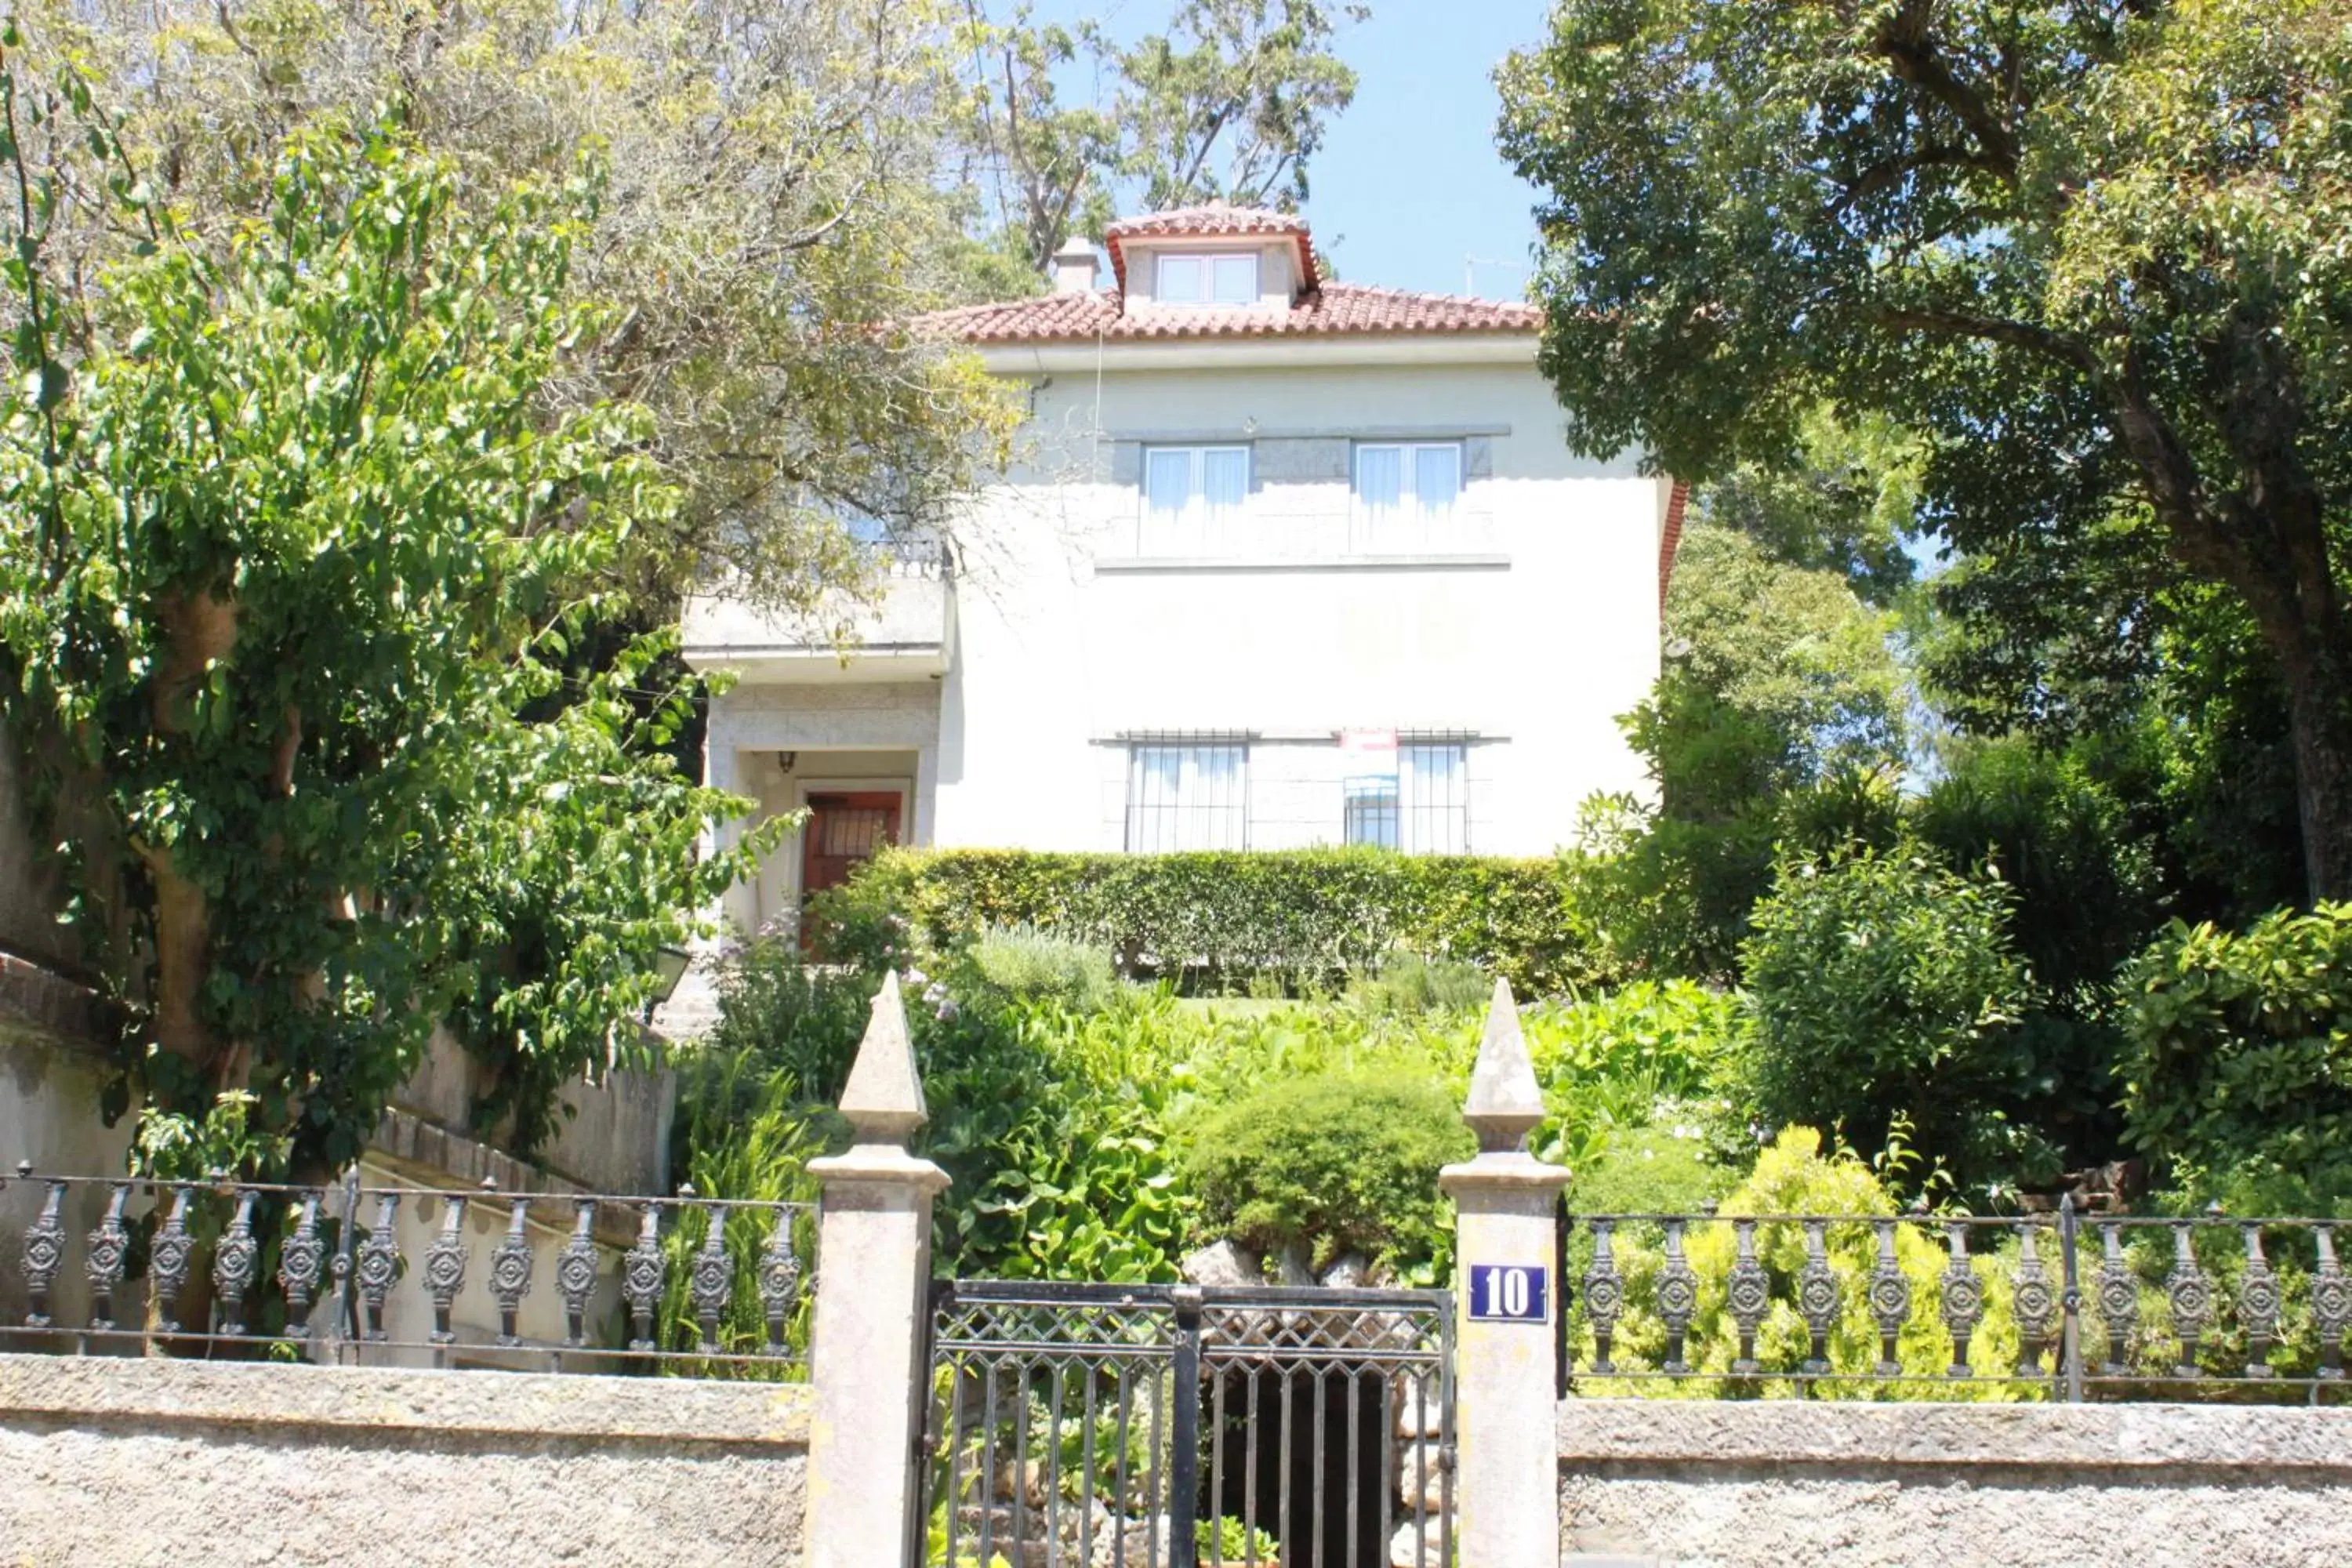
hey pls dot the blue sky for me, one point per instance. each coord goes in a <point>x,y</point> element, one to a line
<point>1408,182</point>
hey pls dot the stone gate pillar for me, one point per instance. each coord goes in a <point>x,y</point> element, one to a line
<point>1505,1200</point>
<point>873,1289</point>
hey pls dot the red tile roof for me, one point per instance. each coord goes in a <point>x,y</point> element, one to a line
<point>1209,222</point>
<point>1670,538</point>
<point>1333,309</point>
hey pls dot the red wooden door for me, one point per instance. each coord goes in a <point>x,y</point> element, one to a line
<point>843,831</point>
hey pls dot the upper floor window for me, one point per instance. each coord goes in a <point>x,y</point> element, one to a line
<point>1190,491</point>
<point>1408,483</point>
<point>1187,796</point>
<point>1206,279</point>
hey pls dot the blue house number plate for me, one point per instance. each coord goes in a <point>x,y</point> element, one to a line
<point>1509,1293</point>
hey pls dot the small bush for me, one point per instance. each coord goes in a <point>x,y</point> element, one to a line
<point>2238,1063</point>
<point>1407,984</point>
<point>1884,989</point>
<point>777,1013</point>
<point>1032,965</point>
<point>1220,921</point>
<point>1334,1163</point>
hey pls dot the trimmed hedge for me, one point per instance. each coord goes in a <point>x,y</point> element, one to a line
<point>1218,916</point>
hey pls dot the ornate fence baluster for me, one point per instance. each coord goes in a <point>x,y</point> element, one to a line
<point>445,1269</point>
<point>110,1250</point>
<point>237,1262</point>
<point>2118,1299</point>
<point>575,1272</point>
<point>1677,1292</point>
<point>711,1280</point>
<point>1750,1293</point>
<point>169,1259</point>
<point>2033,1300</point>
<point>45,1250</point>
<point>2191,1298</point>
<point>2331,1304</point>
<point>1963,1299</point>
<point>780,1279</point>
<point>641,1279</point>
<point>2258,1306</point>
<point>1890,1300</point>
<point>1605,1294</point>
<point>510,1269</point>
<point>301,1265</point>
<point>1817,1296</point>
<point>379,1262</point>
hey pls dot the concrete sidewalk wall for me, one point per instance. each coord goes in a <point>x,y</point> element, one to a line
<point>114,1463</point>
<point>1727,1484</point>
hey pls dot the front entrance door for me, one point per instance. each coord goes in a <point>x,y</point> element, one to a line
<point>844,830</point>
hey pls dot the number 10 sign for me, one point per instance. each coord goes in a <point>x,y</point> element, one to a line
<point>1509,1293</point>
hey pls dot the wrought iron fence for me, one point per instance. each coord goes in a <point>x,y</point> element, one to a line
<point>708,1286</point>
<point>2058,1305</point>
<point>1173,1427</point>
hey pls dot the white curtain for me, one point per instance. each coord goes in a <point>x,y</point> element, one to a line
<point>1436,479</point>
<point>1380,483</point>
<point>1436,800</point>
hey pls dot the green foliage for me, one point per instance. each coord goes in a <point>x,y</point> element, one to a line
<point>1031,965</point>
<point>2239,1069</point>
<point>1887,989</point>
<point>1407,982</point>
<point>1645,1054</point>
<point>1843,507</point>
<point>2089,253</point>
<point>1793,1176</point>
<point>1217,918</point>
<point>291,555</point>
<point>1334,1163</point>
<point>781,1014</point>
<point>1777,720</point>
<point>1651,1170</point>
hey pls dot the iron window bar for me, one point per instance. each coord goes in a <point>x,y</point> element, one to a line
<point>2180,1303</point>
<point>328,1259</point>
<point>1187,790</point>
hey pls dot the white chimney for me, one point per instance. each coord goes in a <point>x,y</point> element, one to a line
<point>1074,267</point>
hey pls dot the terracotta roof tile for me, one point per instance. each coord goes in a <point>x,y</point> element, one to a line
<point>1208,222</point>
<point>1333,309</point>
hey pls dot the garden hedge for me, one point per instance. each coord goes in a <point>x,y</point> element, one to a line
<point>1219,917</point>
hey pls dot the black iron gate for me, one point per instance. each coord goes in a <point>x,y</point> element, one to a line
<point>1182,1426</point>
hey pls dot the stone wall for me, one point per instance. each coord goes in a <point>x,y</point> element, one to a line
<point>122,1464</point>
<point>1714,1484</point>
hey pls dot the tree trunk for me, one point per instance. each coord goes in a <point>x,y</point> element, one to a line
<point>2321,727</point>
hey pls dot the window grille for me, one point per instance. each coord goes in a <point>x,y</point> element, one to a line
<point>1422,808</point>
<point>1187,791</point>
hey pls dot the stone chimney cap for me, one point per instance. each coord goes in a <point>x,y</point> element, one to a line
<point>1073,266</point>
<point>884,1097</point>
<point>1506,1103</point>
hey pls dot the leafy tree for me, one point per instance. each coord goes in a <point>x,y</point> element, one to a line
<point>1845,507</point>
<point>2091,250</point>
<point>1051,164</point>
<point>775,186</point>
<point>1779,716</point>
<point>289,556</point>
<point>1250,82</point>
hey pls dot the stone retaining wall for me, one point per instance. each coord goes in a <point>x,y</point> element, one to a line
<point>1716,1484</point>
<point>112,1463</point>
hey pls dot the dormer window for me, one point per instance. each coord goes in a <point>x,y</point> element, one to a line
<point>1207,280</point>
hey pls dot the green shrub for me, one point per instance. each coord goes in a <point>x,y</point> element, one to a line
<point>1407,982</point>
<point>775,1010</point>
<point>1651,1170</point>
<point>1793,1176</point>
<point>1884,989</point>
<point>1032,965</point>
<point>1334,1163</point>
<point>1217,919</point>
<point>1641,1054</point>
<point>2239,1064</point>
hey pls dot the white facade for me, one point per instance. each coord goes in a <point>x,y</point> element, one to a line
<point>1098,675</point>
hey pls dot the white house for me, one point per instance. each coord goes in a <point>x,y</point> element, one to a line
<point>1281,562</point>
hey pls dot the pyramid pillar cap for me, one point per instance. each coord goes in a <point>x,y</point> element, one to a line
<point>884,1097</point>
<point>1505,1104</point>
